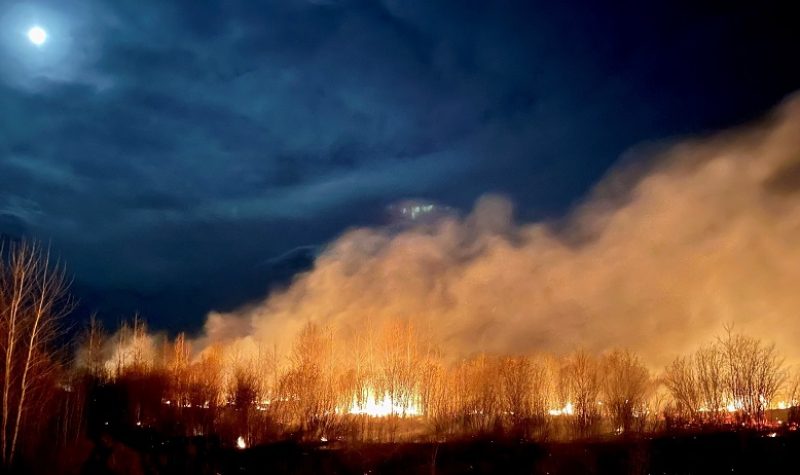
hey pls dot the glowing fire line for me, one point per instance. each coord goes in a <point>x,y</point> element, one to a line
<point>383,407</point>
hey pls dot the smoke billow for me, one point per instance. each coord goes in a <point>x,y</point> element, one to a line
<point>656,260</point>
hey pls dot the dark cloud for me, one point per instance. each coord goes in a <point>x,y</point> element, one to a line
<point>168,148</point>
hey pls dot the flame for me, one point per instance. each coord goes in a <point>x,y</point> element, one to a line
<point>240,443</point>
<point>737,405</point>
<point>734,406</point>
<point>381,407</point>
<point>567,410</point>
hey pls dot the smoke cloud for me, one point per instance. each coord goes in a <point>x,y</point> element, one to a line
<point>657,259</point>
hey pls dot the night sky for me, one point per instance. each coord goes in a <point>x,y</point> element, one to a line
<point>188,155</point>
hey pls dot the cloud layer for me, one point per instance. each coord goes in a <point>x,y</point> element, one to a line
<point>167,149</point>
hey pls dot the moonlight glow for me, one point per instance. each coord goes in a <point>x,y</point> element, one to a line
<point>37,35</point>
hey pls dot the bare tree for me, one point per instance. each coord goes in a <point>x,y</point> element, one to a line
<point>516,377</point>
<point>624,387</point>
<point>754,373</point>
<point>269,367</point>
<point>436,396</point>
<point>580,379</point>
<point>33,296</point>
<point>91,352</point>
<point>141,349</point>
<point>205,379</point>
<point>681,380</point>
<point>478,389</point>
<point>737,375</point>
<point>709,366</point>
<point>308,388</point>
<point>793,397</point>
<point>793,389</point>
<point>400,357</point>
<point>656,406</point>
<point>178,368</point>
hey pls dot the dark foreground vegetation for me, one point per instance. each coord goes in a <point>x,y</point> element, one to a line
<point>142,452</point>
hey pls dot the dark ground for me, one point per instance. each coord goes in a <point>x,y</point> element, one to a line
<point>709,453</point>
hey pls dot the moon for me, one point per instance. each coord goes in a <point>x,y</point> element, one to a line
<point>37,35</point>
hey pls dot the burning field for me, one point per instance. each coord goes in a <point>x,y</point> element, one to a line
<point>664,301</point>
<point>663,304</point>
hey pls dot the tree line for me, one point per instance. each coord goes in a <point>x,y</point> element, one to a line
<point>392,382</point>
<point>385,382</point>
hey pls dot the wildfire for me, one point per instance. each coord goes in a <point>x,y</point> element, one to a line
<point>382,407</point>
<point>240,443</point>
<point>567,410</point>
<point>733,406</point>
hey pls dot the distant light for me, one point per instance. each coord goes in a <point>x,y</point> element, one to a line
<point>37,35</point>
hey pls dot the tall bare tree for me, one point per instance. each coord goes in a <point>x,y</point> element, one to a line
<point>626,382</point>
<point>681,380</point>
<point>91,353</point>
<point>516,377</point>
<point>709,364</point>
<point>479,388</point>
<point>736,376</point>
<point>308,388</point>
<point>754,374</point>
<point>33,296</point>
<point>580,379</point>
<point>178,366</point>
<point>400,360</point>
